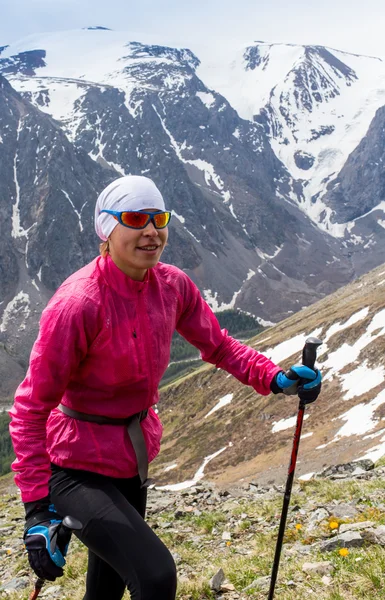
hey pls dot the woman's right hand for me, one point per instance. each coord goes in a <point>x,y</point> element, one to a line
<point>45,539</point>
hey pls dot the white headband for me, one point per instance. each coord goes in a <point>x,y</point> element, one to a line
<point>132,192</point>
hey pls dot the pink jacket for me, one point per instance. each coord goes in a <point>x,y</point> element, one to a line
<point>103,346</point>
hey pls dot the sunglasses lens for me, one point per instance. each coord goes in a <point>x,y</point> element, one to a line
<point>137,220</point>
<point>161,219</point>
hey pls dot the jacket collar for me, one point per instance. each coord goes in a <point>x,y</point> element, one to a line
<point>119,281</point>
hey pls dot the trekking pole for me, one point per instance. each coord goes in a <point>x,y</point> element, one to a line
<point>309,355</point>
<point>68,524</point>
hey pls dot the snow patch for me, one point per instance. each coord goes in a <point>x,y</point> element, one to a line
<point>19,306</point>
<point>361,380</point>
<point>347,354</point>
<point>197,477</point>
<point>307,476</point>
<point>78,214</point>
<point>222,402</point>
<point>206,98</point>
<point>286,423</point>
<point>170,467</point>
<point>290,347</point>
<point>179,217</point>
<point>359,420</point>
<point>210,175</point>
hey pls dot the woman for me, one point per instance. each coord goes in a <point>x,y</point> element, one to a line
<point>83,426</point>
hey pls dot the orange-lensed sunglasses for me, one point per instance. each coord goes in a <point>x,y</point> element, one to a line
<point>139,219</point>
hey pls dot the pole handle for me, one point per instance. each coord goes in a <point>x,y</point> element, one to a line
<point>309,352</point>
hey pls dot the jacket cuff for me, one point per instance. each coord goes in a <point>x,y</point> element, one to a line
<point>274,387</point>
<point>36,506</point>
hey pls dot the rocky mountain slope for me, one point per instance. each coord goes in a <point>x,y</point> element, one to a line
<point>217,428</point>
<point>47,191</point>
<point>223,540</point>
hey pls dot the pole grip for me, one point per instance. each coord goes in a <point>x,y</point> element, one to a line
<point>309,352</point>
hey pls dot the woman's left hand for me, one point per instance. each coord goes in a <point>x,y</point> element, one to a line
<point>301,380</point>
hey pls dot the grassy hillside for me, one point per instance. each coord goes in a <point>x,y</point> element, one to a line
<point>245,426</point>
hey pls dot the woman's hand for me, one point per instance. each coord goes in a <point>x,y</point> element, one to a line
<point>45,539</point>
<point>301,380</point>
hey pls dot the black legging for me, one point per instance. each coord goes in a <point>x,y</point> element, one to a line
<point>123,551</point>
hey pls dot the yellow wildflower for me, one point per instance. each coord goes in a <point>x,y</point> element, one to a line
<point>333,525</point>
<point>343,551</point>
<point>298,526</point>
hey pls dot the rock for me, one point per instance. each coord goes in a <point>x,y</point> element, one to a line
<point>227,587</point>
<point>17,583</point>
<point>321,568</point>
<point>52,590</point>
<point>375,536</point>
<point>297,548</point>
<point>356,526</point>
<point>226,536</point>
<point>350,539</point>
<point>326,580</point>
<point>358,471</point>
<point>217,581</point>
<point>7,530</point>
<point>262,583</point>
<point>343,511</point>
<point>303,160</point>
<point>316,517</point>
<point>177,557</point>
<point>348,468</point>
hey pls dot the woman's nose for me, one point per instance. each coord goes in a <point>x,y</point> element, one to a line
<point>150,229</point>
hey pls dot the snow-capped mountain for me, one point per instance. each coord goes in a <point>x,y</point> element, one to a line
<point>226,148</point>
<point>316,104</point>
<point>140,108</point>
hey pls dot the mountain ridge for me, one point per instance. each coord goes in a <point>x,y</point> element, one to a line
<point>241,228</point>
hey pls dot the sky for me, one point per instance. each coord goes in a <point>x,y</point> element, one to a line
<point>351,25</point>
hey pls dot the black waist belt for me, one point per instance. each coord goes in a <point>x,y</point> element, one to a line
<point>134,431</point>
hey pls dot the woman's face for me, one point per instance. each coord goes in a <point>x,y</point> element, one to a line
<point>136,250</point>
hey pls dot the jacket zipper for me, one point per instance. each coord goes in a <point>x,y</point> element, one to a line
<point>146,345</point>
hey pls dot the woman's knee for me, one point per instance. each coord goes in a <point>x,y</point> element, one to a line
<point>161,581</point>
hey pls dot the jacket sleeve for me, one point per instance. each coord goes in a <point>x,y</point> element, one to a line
<point>199,326</point>
<point>67,327</point>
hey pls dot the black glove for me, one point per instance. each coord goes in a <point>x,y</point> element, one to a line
<point>301,380</point>
<point>45,539</point>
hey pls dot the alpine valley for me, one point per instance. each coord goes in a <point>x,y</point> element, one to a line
<point>269,156</point>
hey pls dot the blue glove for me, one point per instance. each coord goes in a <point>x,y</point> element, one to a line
<point>45,540</point>
<point>301,380</point>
